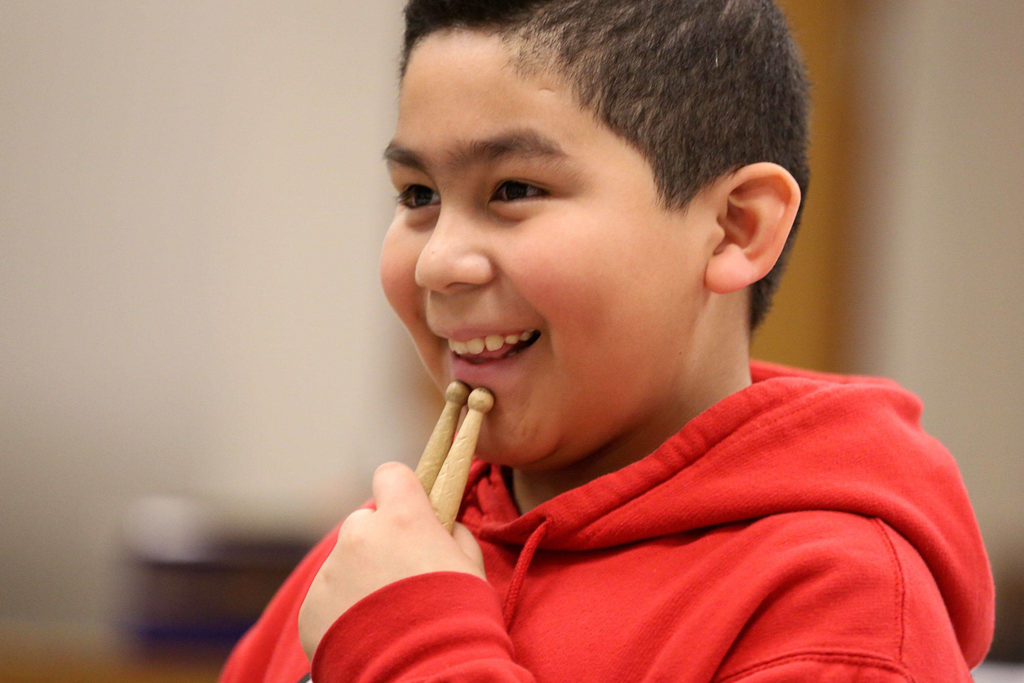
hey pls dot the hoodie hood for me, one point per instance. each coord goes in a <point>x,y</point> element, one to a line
<point>791,441</point>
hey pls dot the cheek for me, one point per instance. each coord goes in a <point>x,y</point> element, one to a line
<point>399,255</point>
<point>554,270</point>
<point>574,288</point>
<point>398,273</point>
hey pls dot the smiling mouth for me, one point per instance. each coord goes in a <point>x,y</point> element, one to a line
<point>492,347</point>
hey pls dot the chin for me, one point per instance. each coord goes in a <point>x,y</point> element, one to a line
<point>506,455</point>
<point>513,457</point>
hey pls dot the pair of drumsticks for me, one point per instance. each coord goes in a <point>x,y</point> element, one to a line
<point>443,468</point>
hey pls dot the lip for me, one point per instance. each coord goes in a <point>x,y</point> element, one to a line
<point>498,375</point>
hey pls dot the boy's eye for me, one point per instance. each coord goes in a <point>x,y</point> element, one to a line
<point>418,196</point>
<point>512,190</point>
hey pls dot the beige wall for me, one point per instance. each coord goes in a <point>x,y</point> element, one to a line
<point>941,237</point>
<point>191,206</point>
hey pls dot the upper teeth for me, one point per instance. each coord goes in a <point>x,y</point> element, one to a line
<point>491,342</point>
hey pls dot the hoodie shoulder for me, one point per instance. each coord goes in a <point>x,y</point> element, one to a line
<point>882,607</point>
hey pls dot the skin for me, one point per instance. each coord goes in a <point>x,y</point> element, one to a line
<point>518,210</point>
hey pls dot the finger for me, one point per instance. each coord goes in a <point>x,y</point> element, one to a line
<point>468,545</point>
<point>354,516</point>
<point>396,486</point>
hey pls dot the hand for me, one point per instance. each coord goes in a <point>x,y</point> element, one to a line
<point>401,538</point>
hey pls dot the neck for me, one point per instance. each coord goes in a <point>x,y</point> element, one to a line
<point>530,488</point>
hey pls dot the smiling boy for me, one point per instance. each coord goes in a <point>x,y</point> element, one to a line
<point>593,198</point>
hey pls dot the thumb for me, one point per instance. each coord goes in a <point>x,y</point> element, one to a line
<point>468,545</point>
<point>395,485</point>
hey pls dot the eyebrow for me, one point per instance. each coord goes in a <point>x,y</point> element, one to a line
<point>517,143</point>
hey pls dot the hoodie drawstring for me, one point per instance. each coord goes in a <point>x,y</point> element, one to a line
<point>519,573</point>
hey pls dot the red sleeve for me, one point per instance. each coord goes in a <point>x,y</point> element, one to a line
<point>442,626</point>
<point>270,650</point>
<point>813,666</point>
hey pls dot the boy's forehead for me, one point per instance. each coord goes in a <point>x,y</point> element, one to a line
<point>447,63</point>
<point>521,142</point>
<point>525,57</point>
<point>464,100</point>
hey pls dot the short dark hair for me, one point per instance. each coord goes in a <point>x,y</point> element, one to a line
<point>699,87</point>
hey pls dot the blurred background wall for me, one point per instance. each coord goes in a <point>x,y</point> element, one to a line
<point>191,206</point>
<point>192,201</point>
<point>939,276</point>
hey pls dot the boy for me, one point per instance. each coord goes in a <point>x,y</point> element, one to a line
<point>593,199</point>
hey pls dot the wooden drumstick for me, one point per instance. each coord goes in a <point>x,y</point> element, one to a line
<point>440,439</point>
<point>446,494</point>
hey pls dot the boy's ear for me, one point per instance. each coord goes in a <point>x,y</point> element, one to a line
<point>756,208</point>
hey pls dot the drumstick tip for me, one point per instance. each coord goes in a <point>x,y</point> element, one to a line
<point>457,392</point>
<point>481,400</point>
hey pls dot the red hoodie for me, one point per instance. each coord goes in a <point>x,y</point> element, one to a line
<point>803,529</point>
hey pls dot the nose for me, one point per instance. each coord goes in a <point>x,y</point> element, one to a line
<point>455,256</point>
